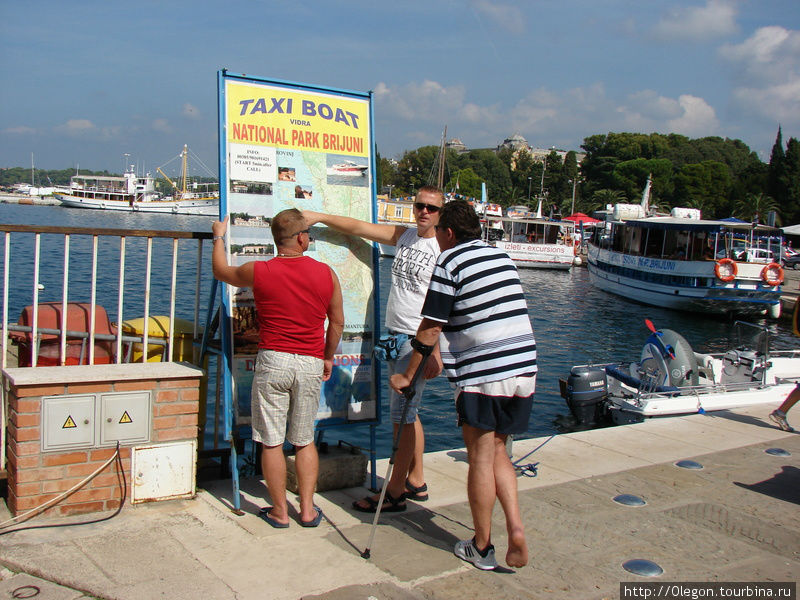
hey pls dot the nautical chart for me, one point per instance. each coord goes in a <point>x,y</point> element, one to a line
<point>293,146</point>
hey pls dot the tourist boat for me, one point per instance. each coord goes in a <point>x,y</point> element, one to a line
<point>671,379</point>
<point>133,193</point>
<point>348,167</point>
<point>686,263</point>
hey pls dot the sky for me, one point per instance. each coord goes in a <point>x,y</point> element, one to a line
<point>102,84</point>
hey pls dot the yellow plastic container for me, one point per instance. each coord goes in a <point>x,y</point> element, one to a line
<point>158,328</point>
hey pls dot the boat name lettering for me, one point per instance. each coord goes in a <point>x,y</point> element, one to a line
<point>534,249</point>
<point>655,263</point>
<point>301,122</point>
<point>309,108</point>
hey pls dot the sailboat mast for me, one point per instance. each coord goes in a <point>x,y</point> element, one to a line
<point>442,156</point>
<point>184,170</point>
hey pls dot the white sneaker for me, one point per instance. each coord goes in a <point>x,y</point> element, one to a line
<point>780,418</point>
<point>468,551</point>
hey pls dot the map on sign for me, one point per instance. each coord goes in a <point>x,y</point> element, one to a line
<point>289,147</point>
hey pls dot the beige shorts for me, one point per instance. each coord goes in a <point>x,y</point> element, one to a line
<point>285,397</point>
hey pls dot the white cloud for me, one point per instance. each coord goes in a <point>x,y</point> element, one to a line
<point>191,111</point>
<point>20,130</point>
<point>717,18</point>
<point>507,16</point>
<point>161,125</point>
<point>767,66</point>
<point>76,128</point>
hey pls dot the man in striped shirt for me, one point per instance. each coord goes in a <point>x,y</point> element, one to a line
<point>475,301</point>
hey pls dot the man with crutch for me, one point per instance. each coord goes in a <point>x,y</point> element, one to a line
<point>475,300</point>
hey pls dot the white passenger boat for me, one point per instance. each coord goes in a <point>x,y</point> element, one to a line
<point>686,263</point>
<point>133,193</point>
<point>671,379</point>
<point>533,243</point>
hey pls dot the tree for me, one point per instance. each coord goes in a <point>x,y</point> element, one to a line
<point>756,207</point>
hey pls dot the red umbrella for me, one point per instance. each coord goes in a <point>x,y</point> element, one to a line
<point>581,219</point>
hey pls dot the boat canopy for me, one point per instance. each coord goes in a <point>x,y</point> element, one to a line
<point>673,223</point>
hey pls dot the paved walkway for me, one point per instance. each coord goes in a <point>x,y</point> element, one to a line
<point>736,519</point>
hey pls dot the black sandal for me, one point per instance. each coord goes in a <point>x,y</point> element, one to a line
<point>394,504</point>
<point>420,494</point>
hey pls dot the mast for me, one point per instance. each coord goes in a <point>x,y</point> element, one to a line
<point>442,156</point>
<point>184,170</point>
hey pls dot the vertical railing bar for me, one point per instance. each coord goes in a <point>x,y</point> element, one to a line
<point>171,333</point>
<point>120,296</point>
<point>64,302</point>
<point>6,264</point>
<point>196,325</point>
<point>35,307</point>
<point>93,309</point>
<point>146,321</point>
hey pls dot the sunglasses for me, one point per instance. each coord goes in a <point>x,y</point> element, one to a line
<point>432,208</point>
<point>306,231</point>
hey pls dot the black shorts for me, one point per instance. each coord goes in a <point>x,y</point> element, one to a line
<point>501,414</point>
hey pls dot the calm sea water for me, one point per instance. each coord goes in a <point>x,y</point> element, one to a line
<point>574,323</point>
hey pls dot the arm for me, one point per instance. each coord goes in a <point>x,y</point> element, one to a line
<point>335,326</point>
<point>428,334</point>
<point>241,276</point>
<point>384,234</point>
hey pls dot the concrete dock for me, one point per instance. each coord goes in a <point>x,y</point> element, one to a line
<point>736,519</point>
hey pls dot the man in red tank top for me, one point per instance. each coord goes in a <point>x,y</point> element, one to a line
<point>294,294</point>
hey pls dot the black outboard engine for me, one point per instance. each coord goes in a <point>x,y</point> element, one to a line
<point>585,391</point>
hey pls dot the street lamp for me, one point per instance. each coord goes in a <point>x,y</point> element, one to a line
<point>529,191</point>
<point>125,163</point>
<point>390,191</point>
<point>574,183</point>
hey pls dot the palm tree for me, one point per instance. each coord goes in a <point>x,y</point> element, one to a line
<point>606,196</point>
<point>756,207</point>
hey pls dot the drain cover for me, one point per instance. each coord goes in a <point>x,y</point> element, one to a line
<point>645,568</point>
<point>777,452</point>
<point>629,500</point>
<point>688,464</point>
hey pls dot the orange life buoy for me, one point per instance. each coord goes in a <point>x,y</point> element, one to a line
<point>726,269</point>
<point>772,274</point>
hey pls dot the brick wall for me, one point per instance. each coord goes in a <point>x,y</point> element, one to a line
<point>35,477</point>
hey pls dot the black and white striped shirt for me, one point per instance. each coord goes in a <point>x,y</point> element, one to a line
<point>487,335</point>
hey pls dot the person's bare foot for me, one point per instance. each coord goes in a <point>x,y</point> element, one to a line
<point>517,555</point>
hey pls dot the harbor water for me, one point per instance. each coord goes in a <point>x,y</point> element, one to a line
<point>573,322</point>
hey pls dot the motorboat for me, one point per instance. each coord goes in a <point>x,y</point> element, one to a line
<point>348,167</point>
<point>669,379</point>
<point>534,243</point>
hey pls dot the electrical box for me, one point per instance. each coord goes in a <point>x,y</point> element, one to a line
<point>68,422</point>
<point>124,418</point>
<point>163,471</point>
<point>95,420</point>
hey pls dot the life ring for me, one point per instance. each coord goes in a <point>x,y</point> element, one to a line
<point>726,269</point>
<point>772,274</point>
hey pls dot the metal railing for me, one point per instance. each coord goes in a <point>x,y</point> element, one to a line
<point>116,282</point>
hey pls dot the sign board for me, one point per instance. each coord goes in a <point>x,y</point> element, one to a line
<point>289,145</point>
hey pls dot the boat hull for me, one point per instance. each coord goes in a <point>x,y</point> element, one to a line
<point>682,285</point>
<point>196,206</point>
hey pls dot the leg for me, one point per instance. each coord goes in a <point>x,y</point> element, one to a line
<point>416,475</point>
<point>402,459</point>
<point>480,481</point>
<point>307,465</point>
<point>506,488</point>
<point>779,415</point>
<point>273,467</point>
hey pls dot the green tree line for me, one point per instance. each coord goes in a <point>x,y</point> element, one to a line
<point>722,177</point>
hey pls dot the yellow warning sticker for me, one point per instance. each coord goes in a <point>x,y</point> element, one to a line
<point>125,418</point>
<point>69,423</point>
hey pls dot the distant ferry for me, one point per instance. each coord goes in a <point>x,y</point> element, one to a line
<point>132,193</point>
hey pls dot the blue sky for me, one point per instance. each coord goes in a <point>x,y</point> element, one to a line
<point>86,82</point>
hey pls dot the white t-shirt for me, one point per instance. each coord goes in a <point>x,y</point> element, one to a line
<point>412,267</point>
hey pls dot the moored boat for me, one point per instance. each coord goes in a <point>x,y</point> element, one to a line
<point>534,243</point>
<point>671,379</point>
<point>134,193</point>
<point>687,263</point>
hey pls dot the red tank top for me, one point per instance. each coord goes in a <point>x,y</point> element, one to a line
<point>292,297</point>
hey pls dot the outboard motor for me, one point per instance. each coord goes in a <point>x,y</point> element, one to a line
<point>585,392</point>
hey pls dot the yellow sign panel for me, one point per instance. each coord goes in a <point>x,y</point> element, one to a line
<point>283,118</point>
<point>126,418</point>
<point>69,423</point>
